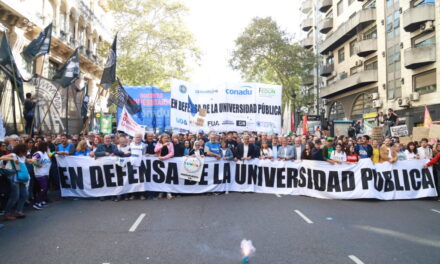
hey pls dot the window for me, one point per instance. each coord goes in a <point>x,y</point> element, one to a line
<point>394,89</point>
<point>371,64</point>
<point>362,105</point>
<point>53,67</point>
<point>423,40</point>
<point>415,3</point>
<point>341,55</point>
<point>340,7</point>
<point>371,33</point>
<point>354,70</point>
<point>389,27</point>
<point>425,82</point>
<point>370,4</point>
<point>329,14</point>
<point>350,2</point>
<point>353,47</point>
<point>336,111</point>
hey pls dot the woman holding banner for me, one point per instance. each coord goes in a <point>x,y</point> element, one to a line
<point>164,150</point>
<point>436,163</point>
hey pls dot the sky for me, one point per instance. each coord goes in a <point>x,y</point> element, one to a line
<point>217,23</point>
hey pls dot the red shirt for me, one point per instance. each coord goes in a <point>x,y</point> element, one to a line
<point>434,160</point>
<point>352,158</point>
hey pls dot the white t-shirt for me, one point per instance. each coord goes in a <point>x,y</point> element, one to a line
<point>339,156</point>
<point>410,155</point>
<point>266,152</point>
<point>298,152</point>
<point>137,151</point>
<point>425,153</point>
<point>245,151</point>
<point>45,162</point>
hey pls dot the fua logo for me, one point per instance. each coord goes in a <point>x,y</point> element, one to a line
<point>181,121</point>
<point>213,123</point>
<point>243,90</point>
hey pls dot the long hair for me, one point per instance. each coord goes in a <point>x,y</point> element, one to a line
<point>20,150</point>
<point>43,146</point>
<point>411,144</point>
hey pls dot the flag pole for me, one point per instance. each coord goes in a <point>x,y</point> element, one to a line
<point>14,112</point>
<point>38,90</point>
<point>67,109</point>
<point>92,109</point>
<point>47,110</point>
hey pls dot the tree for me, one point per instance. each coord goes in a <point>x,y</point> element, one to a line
<point>154,43</point>
<point>265,53</point>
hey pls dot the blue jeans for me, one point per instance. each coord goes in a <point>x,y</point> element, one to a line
<point>17,195</point>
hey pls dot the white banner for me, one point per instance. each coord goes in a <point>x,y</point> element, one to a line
<point>87,177</point>
<point>127,125</point>
<point>228,107</point>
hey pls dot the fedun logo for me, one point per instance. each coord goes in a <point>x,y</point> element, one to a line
<point>265,91</point>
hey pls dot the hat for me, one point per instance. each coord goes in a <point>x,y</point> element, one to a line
<point>318,141</point>
<point>329,139</point>
<point>201,131</point>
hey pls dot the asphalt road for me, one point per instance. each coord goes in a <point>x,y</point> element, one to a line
<point>209,229</point>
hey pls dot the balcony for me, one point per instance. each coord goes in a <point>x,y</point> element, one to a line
<point>366,47</point>
<point>419,56</point>
<point>344,32</point>
<point>351,82</point>
<point>414,17</point>
<point>326,25</point>
<point>307,43</point>
<point>307,24</point>
<point>306,6</point>
<point>327,70</point>
<point>325,5</point>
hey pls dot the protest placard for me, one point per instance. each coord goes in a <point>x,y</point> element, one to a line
<point>434,132</point>
<point>419,133</point>
<point>399,131</point>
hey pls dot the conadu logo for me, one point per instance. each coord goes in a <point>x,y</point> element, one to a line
<point>242,90</point>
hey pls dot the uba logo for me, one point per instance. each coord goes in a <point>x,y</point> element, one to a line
<point>182,88</point>
<point>243,90</point>
<point>181,121</point>
<point>213,123</point>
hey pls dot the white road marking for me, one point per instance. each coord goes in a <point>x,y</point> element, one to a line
<point>437,211</point>
<point>403,236</point>
<point>304,217</point>
<point>277,195</point>
<point>355,259</point>
<point>136,223</point>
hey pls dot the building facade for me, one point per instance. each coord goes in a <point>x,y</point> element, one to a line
<point>375,55</point>
<point>76,24</point>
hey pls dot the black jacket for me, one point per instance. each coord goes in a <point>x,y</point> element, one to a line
<point>192,152</point>
<point>253,151</point>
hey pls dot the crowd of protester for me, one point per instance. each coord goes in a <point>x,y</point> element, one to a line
<point>29,168</point>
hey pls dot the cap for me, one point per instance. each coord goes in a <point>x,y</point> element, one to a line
<point>329,139</point>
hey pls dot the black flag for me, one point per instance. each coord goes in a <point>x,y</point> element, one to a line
<point>8,66</point>
<point>69,73</point>
<point>125,99</point>
<point>40,45</point>
<point>85,104</point>
<point>109,74</point>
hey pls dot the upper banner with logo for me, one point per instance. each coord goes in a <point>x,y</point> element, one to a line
<point>155,103</point>
<point>228,107</point>
<point>87,177</point>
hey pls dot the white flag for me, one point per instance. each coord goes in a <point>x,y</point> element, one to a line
<point>127,125</point>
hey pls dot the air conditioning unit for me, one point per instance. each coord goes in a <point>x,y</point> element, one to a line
<point>359,63</point>
<point>375,96</point>
<point>324,101</point>
<point>377,103</point>
<point>404,102</point>
<point>414,96</point>
<point>427,26</point>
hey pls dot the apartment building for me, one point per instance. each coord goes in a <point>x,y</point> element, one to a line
<point>375,55</point>
<point>76,24</point>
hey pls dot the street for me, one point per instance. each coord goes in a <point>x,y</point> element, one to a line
<point>209,229</point>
